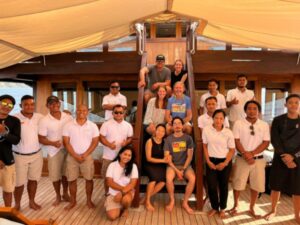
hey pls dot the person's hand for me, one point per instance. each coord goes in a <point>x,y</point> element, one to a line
<point>251,161</point>
<point>2,127</point>
<point>234,101</point>
<point>57,144</point>
<point>167,159</point>
<point>113,145</point>
<point>179,174</point>
<point>2,165</point>
<point>221,166</point>
<point>124,143</point>
<point>291,165</point>
<point>211,165</point>
<point>287,158</point>
<point>79,158</point>
<point>247,155</point>
<point>154,86</point>
<point>141,84</point>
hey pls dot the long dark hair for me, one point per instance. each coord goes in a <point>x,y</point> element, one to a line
<point>129,165</point>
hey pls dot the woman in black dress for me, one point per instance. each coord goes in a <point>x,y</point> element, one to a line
<point>155,165</point>
<point>179,74</point>
<point>285,170</point>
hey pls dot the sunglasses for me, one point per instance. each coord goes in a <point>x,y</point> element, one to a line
<point>118,112</point>
<point>9,105</point>
<point>114,86</point>
<point>252,130</point>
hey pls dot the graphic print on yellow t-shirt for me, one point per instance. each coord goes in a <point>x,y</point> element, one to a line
<point>179,146</point>
<point>178,108</point>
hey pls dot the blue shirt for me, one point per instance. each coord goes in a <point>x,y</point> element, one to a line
<point>178,107</point>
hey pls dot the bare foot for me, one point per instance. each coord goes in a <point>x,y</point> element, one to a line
<point>232,211</point>
<point>90,204</point>
<point>17,207</point>
<point>118,197</point>
<point>34,206</point>
<point>125,213</point>
<point>66,197</point>
<point>149,206</point>
<point>57,201</point>
<point>170,206</point>
<point>212,212</point>
<point>187,208</point>
<point>270,215</point>
<point>251,212</point>
<point>222,214</point>
<point>70,206</point>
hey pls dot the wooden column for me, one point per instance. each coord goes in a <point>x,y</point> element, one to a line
<point>43,90</point>
<point>257,90</point>
<point>295,85</point>
<point>80,93</point>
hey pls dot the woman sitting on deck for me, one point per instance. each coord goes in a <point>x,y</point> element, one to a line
<point>121,178</point>
<point>156,108</point>
<point>155,165</point>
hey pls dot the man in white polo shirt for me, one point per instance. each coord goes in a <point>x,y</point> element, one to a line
<point>114,134</point>
<point>112,99</point>
<point>206,119</point>
<point>81,137</point>
<point>236,99</point>
<point>212,91</point>
<point>27,154</point>
<point>252,137</point>
<point>50,135</point>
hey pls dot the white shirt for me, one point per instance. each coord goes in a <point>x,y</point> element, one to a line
<point>117,132</point>
<point>242,131</point>
<point>81,136</point>
<point>153,114</point>
<point>116,172</point>
<point>236,112</point>
<point>205,120</point>
<point>29,142</point>
<point>52,129</point>
<point>221,103</point>
<point>218,142</point>
<point>111,99</point>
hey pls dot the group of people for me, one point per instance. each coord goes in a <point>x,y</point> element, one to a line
<point>69,143</point>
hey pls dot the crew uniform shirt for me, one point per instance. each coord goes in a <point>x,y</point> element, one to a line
<point>205,120</point>
<point>29,134</point>
<point>111,99</point>
<point>81,136</point>
<point>178,107</point>
<point>221,102</point>
<point>178,146</point>
<point>155,76</point>
<point>117,173</point>
<point>218,142</point>
<point>242,131</point>
<point>236,112</point>
<point>52,128</point>
<point>13,136</point>
<point>115,132</point>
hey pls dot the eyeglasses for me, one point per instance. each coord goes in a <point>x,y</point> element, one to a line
<point>114,86</point>
<point>9,105</point>
<point>118,112</point>
<point>252,130</point>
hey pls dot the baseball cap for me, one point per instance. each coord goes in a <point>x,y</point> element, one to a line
<point>160,58</point>
<point>11,98</point>
<point>51,99</point>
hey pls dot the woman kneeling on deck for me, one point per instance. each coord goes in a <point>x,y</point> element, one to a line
<point>121,178</point>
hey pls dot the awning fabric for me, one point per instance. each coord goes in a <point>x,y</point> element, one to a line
<point>41,27</point>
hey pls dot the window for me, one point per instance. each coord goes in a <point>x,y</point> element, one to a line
<point>166,30</point>
<point>204,43</point>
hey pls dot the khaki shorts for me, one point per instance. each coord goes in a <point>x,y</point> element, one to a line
<point>86,168</point>
<point>57,165</point>
<point>105,164</point>
<point>8,178</point>
<point>28,167</point>
<point>256,174</point>
<point>169,168</point>
<point>110,204</point>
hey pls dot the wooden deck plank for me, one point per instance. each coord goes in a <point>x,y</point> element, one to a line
<point>81,215</point>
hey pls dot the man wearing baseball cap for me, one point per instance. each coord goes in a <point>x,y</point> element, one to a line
<point>157,75</point>
<point>50,135</point>
<point>10,134</point>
